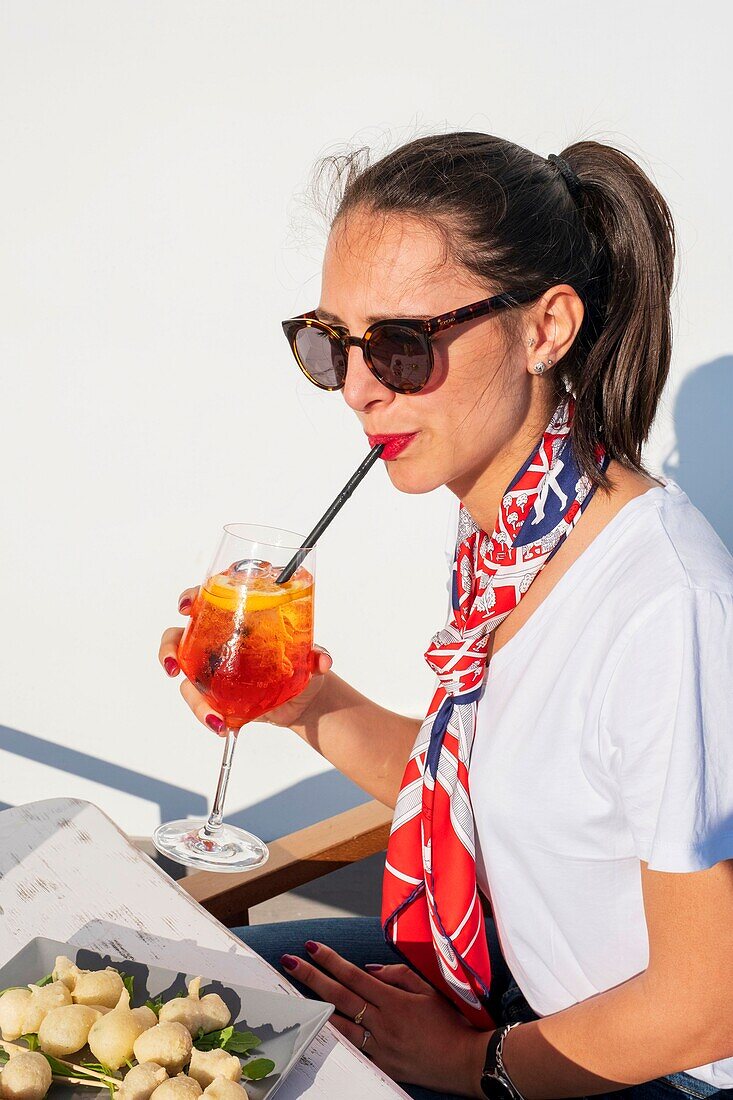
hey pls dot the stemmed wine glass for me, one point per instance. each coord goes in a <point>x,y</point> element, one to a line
<point>247,649</point>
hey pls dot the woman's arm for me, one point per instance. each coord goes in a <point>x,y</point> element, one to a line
<point>676,1014</point>
<point>366,742</point>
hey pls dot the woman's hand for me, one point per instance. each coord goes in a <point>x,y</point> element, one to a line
<point>416,1036</point>
<point>285,715</point>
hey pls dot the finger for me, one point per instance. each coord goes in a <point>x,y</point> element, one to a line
<point>201,709</point>
<point>355,1034</point>
<point>185,600</point>
<point>399,976</point>
<point>353,977</point>
<point>347,1002</point>
<point>321,660</point>
<point>168,652</point>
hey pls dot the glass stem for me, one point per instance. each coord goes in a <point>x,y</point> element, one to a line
<point>213,825</point>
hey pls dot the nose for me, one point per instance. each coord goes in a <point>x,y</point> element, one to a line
<point>361,389</point>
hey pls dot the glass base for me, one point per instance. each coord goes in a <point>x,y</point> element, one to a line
<point>228,849</point>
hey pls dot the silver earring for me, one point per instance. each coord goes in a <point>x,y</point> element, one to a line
<point>550,362</point>
<point>531,343</point>
<point>538,368</point>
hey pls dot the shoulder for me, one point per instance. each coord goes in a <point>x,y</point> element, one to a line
<point>672,649</point>
<point>664,555</point>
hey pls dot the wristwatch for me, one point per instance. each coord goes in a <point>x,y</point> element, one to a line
<point>495,1081</point>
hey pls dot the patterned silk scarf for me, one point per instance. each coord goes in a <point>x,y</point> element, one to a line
<point>431,911</point>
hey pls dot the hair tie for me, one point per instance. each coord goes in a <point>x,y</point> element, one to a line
<point>573,183</point>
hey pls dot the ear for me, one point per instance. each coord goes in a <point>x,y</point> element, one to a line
<point>554,323</point>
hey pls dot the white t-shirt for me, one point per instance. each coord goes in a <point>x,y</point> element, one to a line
<point>605,737</point>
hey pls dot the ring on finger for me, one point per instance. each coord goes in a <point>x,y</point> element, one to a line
<point>360,1014</point>
<point>367,1036</point>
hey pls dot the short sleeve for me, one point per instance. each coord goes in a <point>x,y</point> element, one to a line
<point>667,731</point>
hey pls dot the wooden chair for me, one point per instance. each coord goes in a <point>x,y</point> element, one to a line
<point>294,860</point>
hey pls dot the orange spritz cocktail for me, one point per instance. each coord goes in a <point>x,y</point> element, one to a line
<point>248,643</point>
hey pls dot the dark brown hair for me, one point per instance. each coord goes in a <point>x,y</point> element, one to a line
<point>509,218</point>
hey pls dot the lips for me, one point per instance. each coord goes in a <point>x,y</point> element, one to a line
<point>393,444</point>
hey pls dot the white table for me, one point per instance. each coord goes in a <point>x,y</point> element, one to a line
<point>67,872</point>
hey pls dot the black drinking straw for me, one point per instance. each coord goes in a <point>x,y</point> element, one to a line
<point>327,516</point>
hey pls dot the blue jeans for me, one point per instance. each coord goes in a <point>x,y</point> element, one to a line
<point>360,940</point>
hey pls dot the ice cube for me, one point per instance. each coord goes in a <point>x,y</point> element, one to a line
<point>252,568</point>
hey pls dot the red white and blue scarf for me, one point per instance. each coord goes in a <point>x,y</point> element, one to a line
<point>431,911</point>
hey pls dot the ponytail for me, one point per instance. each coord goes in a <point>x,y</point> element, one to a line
<point>619,361</point>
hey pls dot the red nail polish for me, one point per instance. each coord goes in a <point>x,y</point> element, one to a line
<point>373,967</point>
<point>311,947</point>
<point>171,666</point>
<point>214,723</point>
<point>288,962</point>
<point>184,605</point>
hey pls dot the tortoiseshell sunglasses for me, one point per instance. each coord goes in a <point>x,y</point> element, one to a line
<point>399,352</point>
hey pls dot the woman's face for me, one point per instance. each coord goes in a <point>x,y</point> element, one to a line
<point>473,414</point>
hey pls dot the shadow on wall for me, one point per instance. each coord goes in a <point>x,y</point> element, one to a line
<point>302,804</point>
<point>700,462</point>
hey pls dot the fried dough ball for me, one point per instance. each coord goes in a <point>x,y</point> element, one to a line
<point>146,1016</point>
<point>65,1030</point>
<point>13,1005</point>
<point>207,1065</point>
<point>43,999</point>
<point>209,1012</point>
<point>64,970</point>
<point>141,1081</point>
<point>221,1088</point>
<point>27,1076</point>
<point>112,1037</point>
<point>178,1088</point>
<point>98,987</point>
<point>168,1044</point>
<point>214,1012</point>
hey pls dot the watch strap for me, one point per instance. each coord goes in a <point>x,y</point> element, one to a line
<point>496,1083</point>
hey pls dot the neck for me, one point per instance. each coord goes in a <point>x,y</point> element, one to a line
<point>481,491</point>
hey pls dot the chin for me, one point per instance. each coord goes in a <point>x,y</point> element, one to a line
<point>413,481</point>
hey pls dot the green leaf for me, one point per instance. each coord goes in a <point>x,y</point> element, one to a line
<point>128,980</point>
<point>225,1035</point>
<point>45,980</point>
<point>242,1042</point>
<point>101,1068</point>
<point>4,1056</point>
<point>60,1069</point>
<point>31,1039</point>
<point>155,1004</point>
<point>236,1042</point>
<point>258,1069</point>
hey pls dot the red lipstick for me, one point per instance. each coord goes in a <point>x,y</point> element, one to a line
<point>393,444</point>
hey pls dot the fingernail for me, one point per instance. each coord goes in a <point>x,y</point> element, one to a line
<point>214,722</point>
<point>311,947</point>
<point>184,604</point>
<point>288,962</point>
<point>373,966</point>
<point>171,666</point>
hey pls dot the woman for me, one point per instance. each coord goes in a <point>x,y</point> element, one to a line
<point>584,891</point>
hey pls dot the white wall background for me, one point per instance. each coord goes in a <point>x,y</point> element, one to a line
<point>152,238</point>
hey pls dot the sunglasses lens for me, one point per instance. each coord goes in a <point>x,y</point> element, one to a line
<point>322,357</point>
<point>401,356</point>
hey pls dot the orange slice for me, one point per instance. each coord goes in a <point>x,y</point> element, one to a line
<point>222,592</point>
